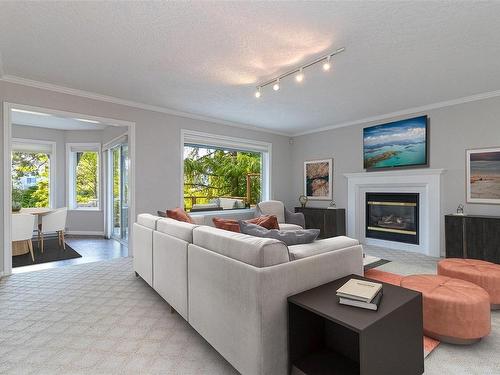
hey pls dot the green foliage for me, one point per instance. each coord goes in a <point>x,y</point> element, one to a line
<point>34,165</point>
<point>211,173</point>
<point>87,179</point>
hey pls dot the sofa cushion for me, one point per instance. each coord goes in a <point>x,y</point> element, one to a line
<point>180,215</point>
<point>266,221</point>
<point>175,228</point>
<point>258,252</point>
<point>321,246</point>
<point>286,226</point>
<point>147,220</point>
<point>289,237</point>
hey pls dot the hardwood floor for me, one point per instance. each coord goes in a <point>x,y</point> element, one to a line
<point>92,249</point>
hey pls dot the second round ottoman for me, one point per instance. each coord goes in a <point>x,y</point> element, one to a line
<point>479,272</point>
<point>455,311</point>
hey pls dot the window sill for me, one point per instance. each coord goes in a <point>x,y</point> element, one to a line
<point>85,209</point>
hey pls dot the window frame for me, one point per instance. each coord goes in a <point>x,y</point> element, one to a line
<point>190,137</point>
<point>70,173</point>
<point>52,163</point>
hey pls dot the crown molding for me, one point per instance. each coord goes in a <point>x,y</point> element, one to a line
<point>129,103</point>
<point>405,112</point>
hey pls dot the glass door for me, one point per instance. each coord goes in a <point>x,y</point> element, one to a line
<point>119,164</point>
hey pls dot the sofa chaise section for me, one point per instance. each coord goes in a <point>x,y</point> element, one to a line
<point>238,300</point>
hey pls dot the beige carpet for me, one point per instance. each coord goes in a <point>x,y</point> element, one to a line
<point>97,318</point>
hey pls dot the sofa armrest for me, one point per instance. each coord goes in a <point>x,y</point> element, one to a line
<point>295,218</point>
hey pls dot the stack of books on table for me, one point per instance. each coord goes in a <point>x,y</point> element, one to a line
<point>360,293</point>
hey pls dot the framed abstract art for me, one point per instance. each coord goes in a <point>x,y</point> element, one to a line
<point>483,175</point>
<point>318,179</point>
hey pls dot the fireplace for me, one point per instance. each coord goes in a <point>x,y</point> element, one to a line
<point>392,217</point>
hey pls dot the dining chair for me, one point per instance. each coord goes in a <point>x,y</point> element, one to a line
<point>22,230</point>
<point>53,222</point>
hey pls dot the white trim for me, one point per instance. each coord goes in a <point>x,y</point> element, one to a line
<point>52,166</point>
<point>7,107</point>
<point>426,182</point>
<point>130,103</point>
<point>70,175</point>
<point>115,141</point>
<point>84,233</point>
<point>405,112</point>
<point>266,148</point>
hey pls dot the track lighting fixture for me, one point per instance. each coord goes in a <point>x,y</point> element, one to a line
<point>299,72</point>
<point>326,65</point>
<point>300,76</point>
<point>276,86</point>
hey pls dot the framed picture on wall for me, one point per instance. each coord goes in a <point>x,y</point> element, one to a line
<point>483,175</point>
<point>318,179</point>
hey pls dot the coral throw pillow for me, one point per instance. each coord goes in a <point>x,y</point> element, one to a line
<point>180,215</point>
<point>266,221</point>
<point>226,224</point>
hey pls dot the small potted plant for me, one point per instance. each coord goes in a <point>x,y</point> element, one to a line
<point>16,200</point>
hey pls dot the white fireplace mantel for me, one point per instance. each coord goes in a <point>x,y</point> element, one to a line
<point>426,182</point>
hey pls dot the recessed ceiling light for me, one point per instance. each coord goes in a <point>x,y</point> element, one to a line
<point>85,120</point>
<point>30,112</point>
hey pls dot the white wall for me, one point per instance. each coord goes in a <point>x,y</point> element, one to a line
<point>158,149</point>
<point>452,131</point>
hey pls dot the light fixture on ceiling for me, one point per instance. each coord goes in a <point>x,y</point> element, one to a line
<point>30,112</point>
<point>300,75</point>
<point>276,86</point>
<point>86,120</point>
<point>327,65</point>
<point>299,72</point>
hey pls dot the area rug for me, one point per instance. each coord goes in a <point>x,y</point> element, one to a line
<point>51,253</point>
<point>395,279</point>
<point>370,262</point>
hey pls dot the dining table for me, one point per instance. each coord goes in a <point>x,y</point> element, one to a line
<point>21,247</point>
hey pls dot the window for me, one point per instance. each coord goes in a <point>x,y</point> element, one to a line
<point>222,173</point>
<point>83,176</point>
<point>32,178</point>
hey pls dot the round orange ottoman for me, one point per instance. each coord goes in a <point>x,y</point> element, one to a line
<point>479,272</point>
<point>455,311</point>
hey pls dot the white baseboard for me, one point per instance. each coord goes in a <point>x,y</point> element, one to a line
<point>84,233</point>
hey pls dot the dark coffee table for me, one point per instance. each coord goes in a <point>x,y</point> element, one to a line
<point>326,337</point>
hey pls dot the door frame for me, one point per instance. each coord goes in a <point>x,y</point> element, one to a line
<point>7,176</point>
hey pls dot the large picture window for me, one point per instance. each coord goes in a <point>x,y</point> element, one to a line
<point>32,167</point>
<point>84,176</point>
<point>223,174</point>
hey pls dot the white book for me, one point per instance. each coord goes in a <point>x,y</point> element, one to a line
<point>360,290</point>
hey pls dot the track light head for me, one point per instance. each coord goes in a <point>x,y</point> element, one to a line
<point>300,76</point>
<point>257,93</point>
<point>327,65</point>
<point>276,86</point>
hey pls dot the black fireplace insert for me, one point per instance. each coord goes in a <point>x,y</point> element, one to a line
<point>392,217</point>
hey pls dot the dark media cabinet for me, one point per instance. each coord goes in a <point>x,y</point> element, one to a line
<point>473,236</point>
<point>330,222</point>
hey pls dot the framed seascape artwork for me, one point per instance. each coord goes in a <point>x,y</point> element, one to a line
<point>398,144</point>
<point>483,175</point>
<point>318,178</point>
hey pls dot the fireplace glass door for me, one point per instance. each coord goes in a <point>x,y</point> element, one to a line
<point>392,216</point>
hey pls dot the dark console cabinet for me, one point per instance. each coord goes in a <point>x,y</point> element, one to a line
<point>473,236</point>
<point>330,222</point>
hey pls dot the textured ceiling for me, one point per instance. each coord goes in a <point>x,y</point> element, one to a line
<point>205,58</point>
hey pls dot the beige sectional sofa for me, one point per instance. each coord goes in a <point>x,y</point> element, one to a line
<point>233,288</point>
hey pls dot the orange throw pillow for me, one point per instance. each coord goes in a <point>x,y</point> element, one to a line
<point>180,215</point>
<point>266,221</point>
<point>226,224</point>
